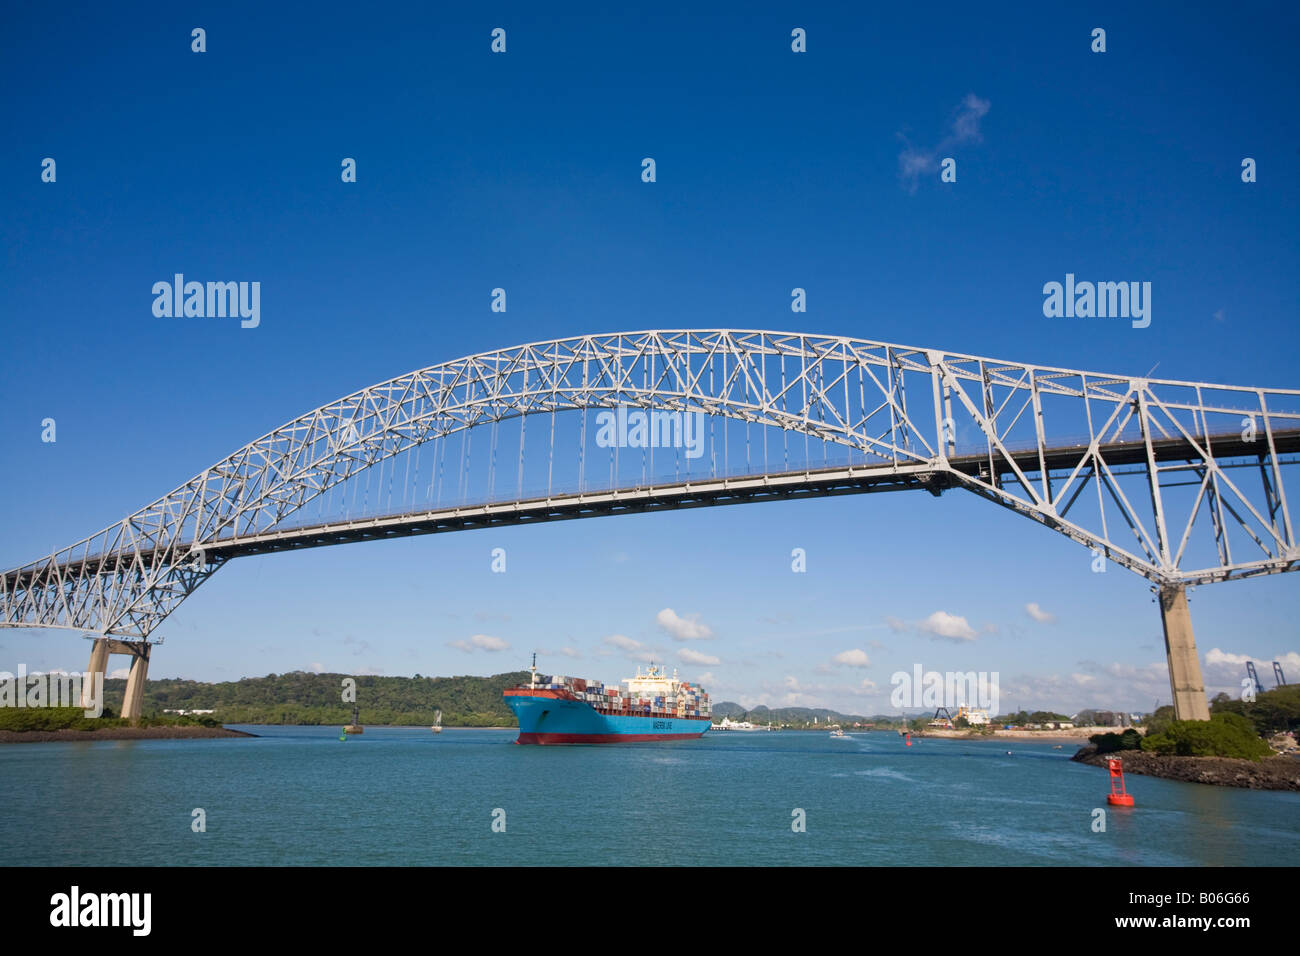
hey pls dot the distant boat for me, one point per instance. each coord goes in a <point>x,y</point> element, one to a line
<point>437,722</point>
<point>728,724</point>
<point>838,734</point>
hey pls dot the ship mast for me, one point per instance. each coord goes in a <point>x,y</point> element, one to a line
<point>533,685</point>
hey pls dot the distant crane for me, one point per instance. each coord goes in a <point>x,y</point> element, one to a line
<point>1254,677</point>
<point>1278,677</point>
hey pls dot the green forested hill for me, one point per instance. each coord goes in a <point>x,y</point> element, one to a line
<point>304,698</point>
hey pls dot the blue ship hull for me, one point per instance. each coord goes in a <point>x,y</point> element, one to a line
<point>545,719</point>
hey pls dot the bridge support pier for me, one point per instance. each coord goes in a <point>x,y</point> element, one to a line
<point>134,700</point>
<point>98,665</point>
<point>1180,648</point>
<point>133,703</point>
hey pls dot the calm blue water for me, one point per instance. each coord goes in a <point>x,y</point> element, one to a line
<point>297,795</point>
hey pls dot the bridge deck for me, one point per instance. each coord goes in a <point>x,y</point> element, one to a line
<point>804,483</point>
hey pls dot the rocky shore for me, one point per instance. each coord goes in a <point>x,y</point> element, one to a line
<point>1271,773</point>
<point>118,733</point>
<point>1077,733</point>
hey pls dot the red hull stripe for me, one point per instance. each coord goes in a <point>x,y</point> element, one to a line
<point>599,738</point>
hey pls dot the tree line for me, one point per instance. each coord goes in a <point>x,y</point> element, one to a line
<point>301,697</point>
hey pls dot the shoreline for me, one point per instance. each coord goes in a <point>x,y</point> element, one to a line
<point>183,733</point>
<point>1278,772</point>
<point>1080,735</point>
<point>119,733</point>
<point>365,727</point>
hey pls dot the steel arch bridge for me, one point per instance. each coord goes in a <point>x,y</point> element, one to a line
<point>1059,446</point>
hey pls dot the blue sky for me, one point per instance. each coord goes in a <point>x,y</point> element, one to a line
<point>523,171</point>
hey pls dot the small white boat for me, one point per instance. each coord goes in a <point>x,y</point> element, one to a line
<point>838,734</point>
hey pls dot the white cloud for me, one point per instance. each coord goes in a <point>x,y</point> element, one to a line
<point>1216,656</point>
<point>623,642</point>
<point>483,642</point>
<point>1114,686</point>
<point>915,162</point>
<point>317,667</point>
<point>683,628</point>
<point>791,692</point>
<point>1222,661</point>
<point>1038,614</point>
<point>966,125</point>
<point>695,657</point>
<point>948,626</point>
<point>852,658</point>
<point>119,672</point>
<point>632,649</point>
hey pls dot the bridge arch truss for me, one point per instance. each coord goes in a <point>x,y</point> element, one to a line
<point>1209,502</point>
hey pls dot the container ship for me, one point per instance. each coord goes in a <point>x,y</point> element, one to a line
<point>570,710</point>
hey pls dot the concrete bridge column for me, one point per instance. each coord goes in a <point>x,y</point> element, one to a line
<point>98,665</point>
<point>1180,648</point>
<point>133,703</point>
<point>139,652</point>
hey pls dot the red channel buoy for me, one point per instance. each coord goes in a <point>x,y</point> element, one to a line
<point>908,738</point>
<point>1117,797</point>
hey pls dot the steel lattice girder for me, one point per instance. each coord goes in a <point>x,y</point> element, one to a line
<point>1033,439</point>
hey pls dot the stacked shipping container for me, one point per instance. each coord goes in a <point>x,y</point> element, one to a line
<point>688,701</point>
